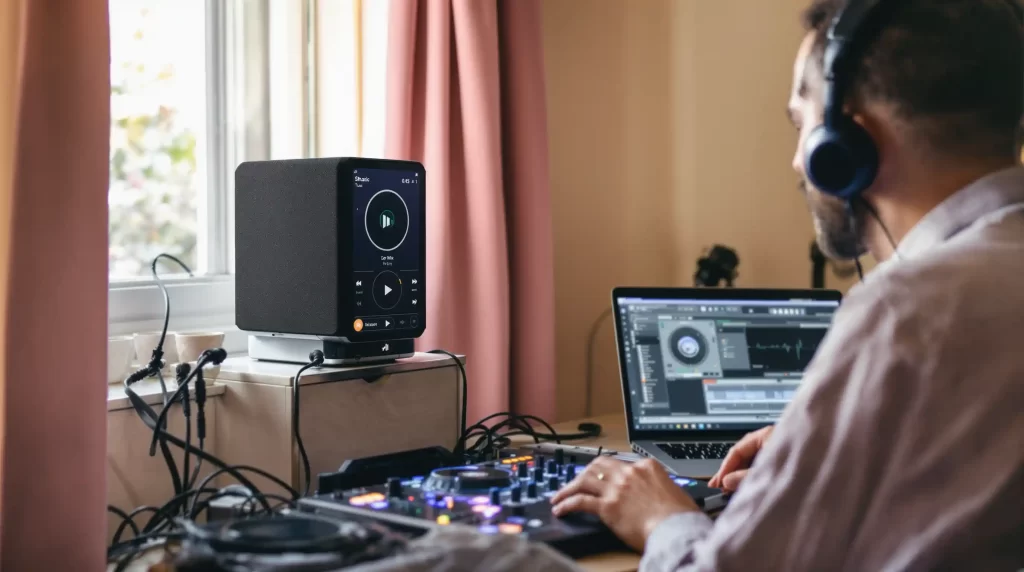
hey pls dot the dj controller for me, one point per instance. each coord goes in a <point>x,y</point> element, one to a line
<point>510,495</point>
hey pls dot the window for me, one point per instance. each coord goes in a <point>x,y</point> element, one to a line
<point>190,99</point>
<point>158,134</point>
<point>198,87</point>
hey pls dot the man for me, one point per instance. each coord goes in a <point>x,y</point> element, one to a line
<point>904,448</point>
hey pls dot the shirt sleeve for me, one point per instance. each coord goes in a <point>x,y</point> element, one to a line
<point>801,503</point>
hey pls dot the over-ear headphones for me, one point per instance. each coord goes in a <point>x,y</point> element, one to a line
<point>840,158</point>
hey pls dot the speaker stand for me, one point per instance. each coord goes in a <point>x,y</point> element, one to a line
<point>296,349</point>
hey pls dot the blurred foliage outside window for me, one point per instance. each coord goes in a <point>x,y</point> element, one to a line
<point>158,123</point>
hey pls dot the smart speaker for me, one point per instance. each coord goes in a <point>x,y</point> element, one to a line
<point>330,255</point>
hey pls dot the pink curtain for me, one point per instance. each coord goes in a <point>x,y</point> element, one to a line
<point>466,98</point>
<point>54,329</point>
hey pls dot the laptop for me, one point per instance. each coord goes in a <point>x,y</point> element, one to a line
<point>701,367</point>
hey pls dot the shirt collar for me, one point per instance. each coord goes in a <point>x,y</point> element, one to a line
<point>987,195</point>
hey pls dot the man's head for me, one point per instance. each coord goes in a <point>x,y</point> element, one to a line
<point>941,81</point>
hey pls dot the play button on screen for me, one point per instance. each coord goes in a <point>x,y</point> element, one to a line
<point>387,290</point>
<point>386,220</point>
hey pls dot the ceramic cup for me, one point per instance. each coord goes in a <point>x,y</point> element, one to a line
<point>192,345</point>
<point>120,351</point>
<point>146,341</point>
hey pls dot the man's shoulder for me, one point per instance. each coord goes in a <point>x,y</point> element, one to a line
<point>976,278</point>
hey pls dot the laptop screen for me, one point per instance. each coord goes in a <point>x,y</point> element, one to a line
<point>715,364</point>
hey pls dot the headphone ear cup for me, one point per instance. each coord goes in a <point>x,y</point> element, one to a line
<point>841,161</point>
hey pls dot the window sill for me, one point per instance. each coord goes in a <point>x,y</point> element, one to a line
<point>149,391</point>
<point>203,304</point>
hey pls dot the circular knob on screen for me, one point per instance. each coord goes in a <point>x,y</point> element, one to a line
<point>516,492</point>
<point>394,487</point>
<point>531,490</point>
<point>552,467</point>
<point>559,456</point>
<point>554,483</point>
<point>522,470</point>
<point>570,472</point>
<point>538,473</point>
<point>495,496</point>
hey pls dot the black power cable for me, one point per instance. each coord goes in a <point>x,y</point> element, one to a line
<point>316,359</point>
<point>465,397</point>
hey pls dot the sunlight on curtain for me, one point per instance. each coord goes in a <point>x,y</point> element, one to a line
<point>10,11</point>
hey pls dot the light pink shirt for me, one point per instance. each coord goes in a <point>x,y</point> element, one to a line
<point>904,447</point>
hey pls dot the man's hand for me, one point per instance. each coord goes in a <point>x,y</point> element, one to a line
<point>631,498</point>
<point>739,459</point>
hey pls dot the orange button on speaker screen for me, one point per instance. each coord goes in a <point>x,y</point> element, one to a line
<point>357,325</point>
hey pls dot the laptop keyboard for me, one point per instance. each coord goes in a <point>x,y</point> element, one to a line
<point>714,450</point>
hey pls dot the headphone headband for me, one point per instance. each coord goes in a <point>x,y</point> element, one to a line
<point>845,36</point>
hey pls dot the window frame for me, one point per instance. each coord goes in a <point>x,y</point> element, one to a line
<point>258,71</point>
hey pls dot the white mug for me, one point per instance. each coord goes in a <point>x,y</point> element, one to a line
<point>192,345</point>
<point>146,341</point>
<point>120,352</point>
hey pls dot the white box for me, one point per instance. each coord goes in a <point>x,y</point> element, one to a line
<point>344,413</point>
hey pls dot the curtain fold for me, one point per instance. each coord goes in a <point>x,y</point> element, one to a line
<point>54,328</point>
<point>466,98</point>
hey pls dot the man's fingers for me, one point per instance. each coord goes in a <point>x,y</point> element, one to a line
<point>587,482</point>
<point>732,481</point>
<point>577,503</point>
<point>739,457</point>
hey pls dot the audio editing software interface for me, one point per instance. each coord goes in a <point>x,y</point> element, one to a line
<point>387,278</point>
<point>729,364</point>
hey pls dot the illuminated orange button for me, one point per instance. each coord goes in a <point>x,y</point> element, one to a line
<point>357,325</point>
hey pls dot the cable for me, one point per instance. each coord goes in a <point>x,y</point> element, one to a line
<point>490,439</point>
<point>182,371</point>
<point>214,356</point>
<point>131,516</point>
<point>316,359</point>
<point>200,385</point>
<point>589,381</point>
<point>853,223</point>
<point>158,351</point>
<point>126,519</point>
<point>167,512</point>
<point>465,396</point>
<point>149,418</point>
<point>885,230</point>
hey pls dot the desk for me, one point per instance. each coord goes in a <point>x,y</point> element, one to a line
<point>613,436</point>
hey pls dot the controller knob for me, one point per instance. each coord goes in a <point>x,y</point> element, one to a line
<point>572,459</point>
<point>522,470</point>
<point>495,496</point>
<point>570,472</point>
<point>394,487</point>
<point>554,483</point>
<point>552,467</point>
<point>538,473</point>
<point>559,456</point>
<point>531,490</point>
<point>516,493</point>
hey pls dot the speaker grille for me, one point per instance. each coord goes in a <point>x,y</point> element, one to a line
<point>287,218</point>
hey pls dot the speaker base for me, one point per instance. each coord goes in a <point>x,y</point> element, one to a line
<point>296,349</point>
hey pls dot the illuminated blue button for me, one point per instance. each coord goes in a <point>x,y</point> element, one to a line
<point>516,520</point>
<point>488,529</point>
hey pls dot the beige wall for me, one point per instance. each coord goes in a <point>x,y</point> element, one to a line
<point>668,135</point>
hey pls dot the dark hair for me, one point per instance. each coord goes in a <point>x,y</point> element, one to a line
<point>953,70</point>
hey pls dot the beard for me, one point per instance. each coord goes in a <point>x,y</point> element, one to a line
<point>836,231</point>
